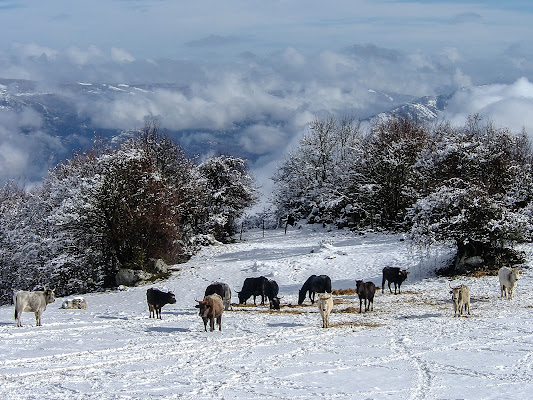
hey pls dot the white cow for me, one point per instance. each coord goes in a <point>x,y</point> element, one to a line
<point>35,302</point>
<point>508,278</point>
<point>461,299</point>
<point>325,305</point>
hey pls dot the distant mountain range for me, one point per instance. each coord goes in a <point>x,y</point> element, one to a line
<point>57,110</point>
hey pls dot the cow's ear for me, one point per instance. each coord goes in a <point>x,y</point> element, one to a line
<point>197,306</point>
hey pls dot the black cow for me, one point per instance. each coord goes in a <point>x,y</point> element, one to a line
<point>157,299</point>
<point>366,291</point>
<point>314,284</point>
<point>393,275</point>
<point>271,291</point>
<point>223,290</point>
<point>253,287</point>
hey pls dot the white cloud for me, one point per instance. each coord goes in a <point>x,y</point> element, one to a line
<point>93,55</point>
<point>34,50</point>
<point>25,150</point>
<point>121,56</point>
<point>507,106</point>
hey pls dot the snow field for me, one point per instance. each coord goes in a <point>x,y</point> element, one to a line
<point>409,347</point>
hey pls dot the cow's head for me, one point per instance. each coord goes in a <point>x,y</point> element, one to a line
<point>171,298</point>
<point>403,274</point>
<point>358,286</point>
<point>301,296</point>
<point>49,295</point>
<point>242,297</point>
<point>455,293</point>
<point>203,307</point>
<point>274,303</point>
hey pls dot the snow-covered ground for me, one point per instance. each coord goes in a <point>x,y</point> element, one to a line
<point>409,347</point>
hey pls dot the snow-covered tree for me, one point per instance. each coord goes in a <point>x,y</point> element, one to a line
<point>229,190</point>
<point>471,191</point>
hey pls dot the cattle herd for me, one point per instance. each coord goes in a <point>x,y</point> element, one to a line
<point>217,296</point>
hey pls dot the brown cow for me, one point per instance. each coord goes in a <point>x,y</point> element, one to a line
<point>211,308</point>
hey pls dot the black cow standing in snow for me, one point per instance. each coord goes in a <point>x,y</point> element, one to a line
<point>157,299</point>
<point>393,275</point>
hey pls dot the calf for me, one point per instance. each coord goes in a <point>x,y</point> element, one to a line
<point>325,305</point>
<point>157,299</point>
<point>223,290</point>
<point>393,275</point>
<point>461,299</point>
<point>35,302</point>
<point>211,308</point>
<point>508,278</point>
<point>271,291</point>
<point>366,291</point>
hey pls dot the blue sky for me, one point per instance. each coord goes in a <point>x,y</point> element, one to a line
<point>222,30</point>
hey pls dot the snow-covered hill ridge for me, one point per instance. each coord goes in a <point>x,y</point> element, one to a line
<point>410,347</point>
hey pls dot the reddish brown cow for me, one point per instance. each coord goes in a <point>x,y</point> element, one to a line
<point>211,308</point>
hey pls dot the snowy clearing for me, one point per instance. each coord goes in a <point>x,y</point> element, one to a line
<point>409,347</point>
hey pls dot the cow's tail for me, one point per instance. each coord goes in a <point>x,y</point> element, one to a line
<point>16,313</point>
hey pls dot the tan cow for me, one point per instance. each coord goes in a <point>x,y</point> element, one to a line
<point>461,299</point>
<point>211,309</point>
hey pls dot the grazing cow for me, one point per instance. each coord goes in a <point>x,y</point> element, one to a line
<point>35,302</point>
<point>253,287</point>
<point>325,305</point>
<point>366,291</point>
<point>508,278</point>
<point>157,299</point>
<point>271,291</point>
<point>461,299</point>
<point>211,308</point>
<point>223,290</point>
<point>393,275</point>
<point>314,284</point>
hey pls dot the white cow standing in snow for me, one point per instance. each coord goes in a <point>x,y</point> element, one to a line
<point>325,305</point>
<point>508,278</point>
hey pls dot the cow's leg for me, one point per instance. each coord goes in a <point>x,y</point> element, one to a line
<point>360,305</point>
<point>219,322</point>
<point>205,323</point>
<point>212,323</point>
<point>312,297</point>
<point>38,318</point>
<point>254,300</point>
<point>390,290</point>
<point>510,291</point>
